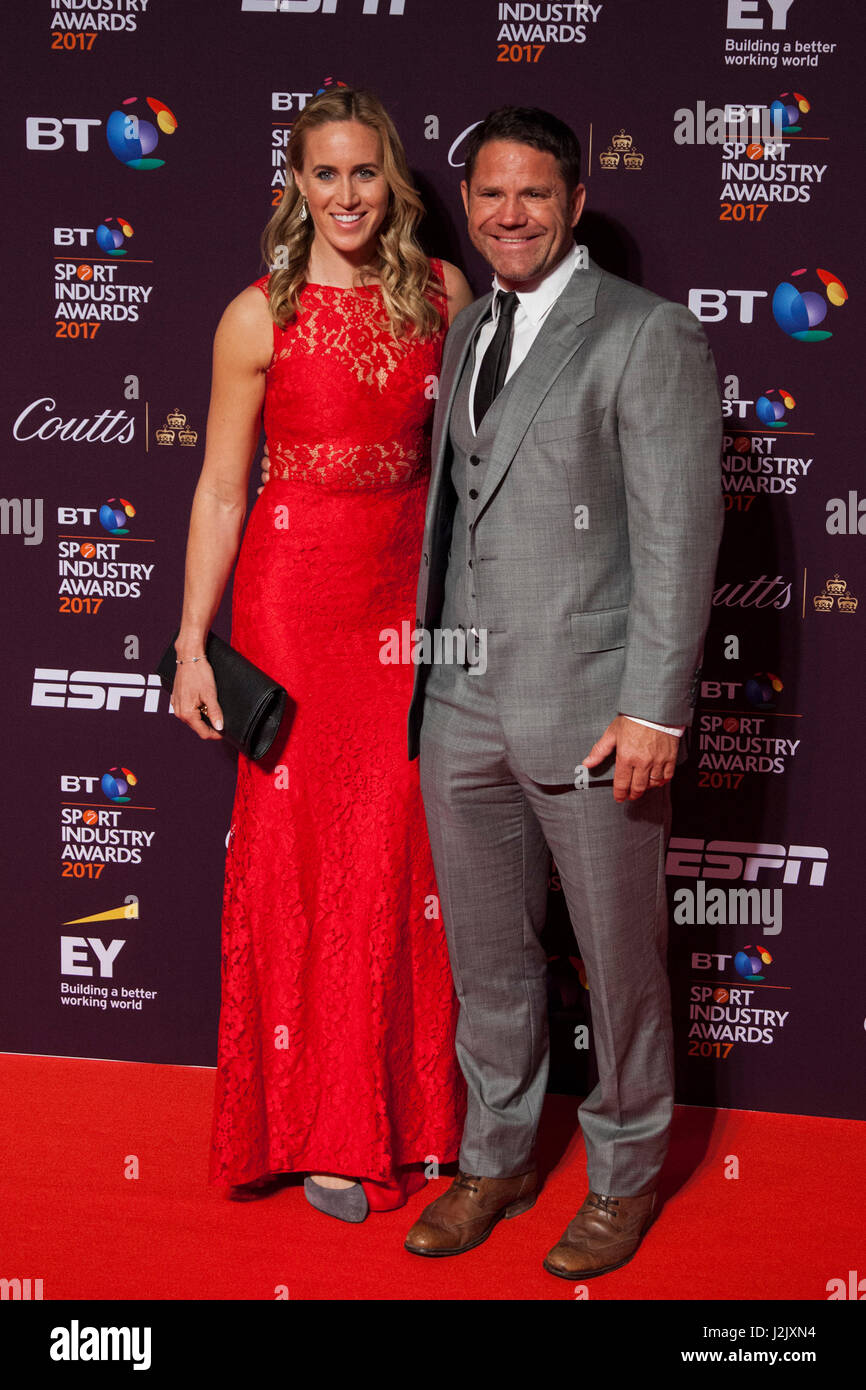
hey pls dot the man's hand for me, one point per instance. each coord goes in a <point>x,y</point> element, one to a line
<point>266,468</point>
<point>644,757</point>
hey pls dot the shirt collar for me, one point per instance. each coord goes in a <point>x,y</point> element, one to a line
<point>535,303</point>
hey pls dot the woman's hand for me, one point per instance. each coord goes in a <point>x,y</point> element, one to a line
<point>194,687</point>
<point>266,468</point>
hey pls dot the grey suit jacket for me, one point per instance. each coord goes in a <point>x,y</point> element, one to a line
<point>597,529</point>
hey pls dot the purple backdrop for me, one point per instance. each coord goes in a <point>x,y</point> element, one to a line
<point>118,275</point>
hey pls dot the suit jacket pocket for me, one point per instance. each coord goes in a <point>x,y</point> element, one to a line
<point>567,427</point>
<point>601,631</point>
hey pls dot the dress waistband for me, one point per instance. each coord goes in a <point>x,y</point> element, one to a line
<point>393,464</point>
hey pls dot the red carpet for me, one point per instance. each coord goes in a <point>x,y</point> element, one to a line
<point>791,1221</point>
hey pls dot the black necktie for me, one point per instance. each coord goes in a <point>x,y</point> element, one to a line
<point>494,364</point>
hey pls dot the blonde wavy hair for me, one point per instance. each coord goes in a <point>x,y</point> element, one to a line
<point>401,268</point>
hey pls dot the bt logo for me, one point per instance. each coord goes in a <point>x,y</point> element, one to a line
<point>747,963</point>
<point>711,306</point>
<point>771,406</point>
<point>788,108</point>
<point>132,132</point>
<point>797,309</point>
<point>109,236</point>
<point>47,133</point>
<point>114,514</point>
<point>117,784</point>
<point>760,690</point>
<point>132,137</point>
<point>750,961</point>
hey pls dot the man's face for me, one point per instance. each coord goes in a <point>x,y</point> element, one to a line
<point>520,215</point>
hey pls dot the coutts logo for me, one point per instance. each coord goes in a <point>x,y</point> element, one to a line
<point>38,421</point>
<point>757,593</point>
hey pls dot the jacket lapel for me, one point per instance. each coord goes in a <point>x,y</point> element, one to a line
<point>561,335</point>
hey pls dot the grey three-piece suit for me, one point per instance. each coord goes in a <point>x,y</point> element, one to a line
<point>579,528</point>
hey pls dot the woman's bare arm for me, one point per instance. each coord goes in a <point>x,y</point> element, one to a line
<point>242,351</point>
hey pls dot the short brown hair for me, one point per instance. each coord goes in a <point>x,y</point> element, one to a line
<point>528,125</point>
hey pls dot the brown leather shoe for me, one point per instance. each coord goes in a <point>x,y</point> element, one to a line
<point>465,1215</point>
<point>604,1235</point>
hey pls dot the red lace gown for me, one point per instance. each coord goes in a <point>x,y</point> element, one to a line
<point>336,1038</point>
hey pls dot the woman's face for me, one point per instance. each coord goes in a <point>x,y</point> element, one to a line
<point>344,184</point>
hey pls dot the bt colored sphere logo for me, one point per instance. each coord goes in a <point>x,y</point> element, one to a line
<point>114,514</point>
<point>117,784</point>
<point>132,137</point>
<point>761,690</point>
<point>799,308</point>
<point>111,234</point>
<point>771,406</point>
<point>790,106</point>
<point>750,961</point>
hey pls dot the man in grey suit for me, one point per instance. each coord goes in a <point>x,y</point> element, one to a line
<point>572,528</point>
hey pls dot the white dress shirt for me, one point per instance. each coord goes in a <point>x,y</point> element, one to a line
<point>533,306</point>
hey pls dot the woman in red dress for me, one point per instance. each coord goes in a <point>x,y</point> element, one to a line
<point>336,1054</point>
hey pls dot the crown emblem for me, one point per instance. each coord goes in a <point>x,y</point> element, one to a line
<point>621,149</point>
<point>176,430</point>
<point>835,591</point>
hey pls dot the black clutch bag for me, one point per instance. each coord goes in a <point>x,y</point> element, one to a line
<point>252,703</point>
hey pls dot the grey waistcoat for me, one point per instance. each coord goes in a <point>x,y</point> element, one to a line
<point>464,603</point>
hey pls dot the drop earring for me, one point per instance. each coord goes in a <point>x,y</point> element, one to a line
<point>302,215</point>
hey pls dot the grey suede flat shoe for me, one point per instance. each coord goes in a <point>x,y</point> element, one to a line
<point>346,1203</point>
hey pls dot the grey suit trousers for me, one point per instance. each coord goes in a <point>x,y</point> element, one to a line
<point>491,828</point>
